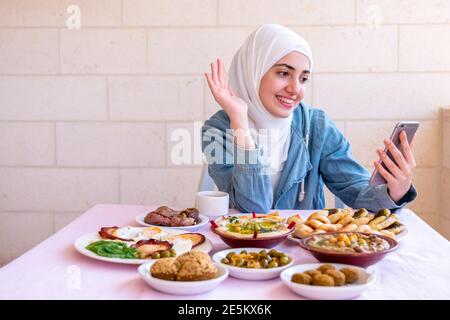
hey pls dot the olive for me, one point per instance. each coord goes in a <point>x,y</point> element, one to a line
<point>173,253</point>
<point>284,260</point>
<point>225,260</point>
<point>229,255</point>
<point>263,252</point>
<point>273,253</point>
<point>264,263</point>
<point>244,252</point>
<point>165,254</point>
<point>272,264</point>
<point>268,258</point>
<point>155,255</point>
<point>240,262</point>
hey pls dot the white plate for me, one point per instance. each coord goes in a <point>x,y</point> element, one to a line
<point>249,273</point>
<point>399,236</point>
<point>81,243</point>
<point>182,287</point>
<point>203,220</point>
<point>348,291</point>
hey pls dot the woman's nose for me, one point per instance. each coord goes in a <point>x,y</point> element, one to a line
<point>294,87</point>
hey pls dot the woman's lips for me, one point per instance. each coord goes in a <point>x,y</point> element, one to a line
<point>286,103</point>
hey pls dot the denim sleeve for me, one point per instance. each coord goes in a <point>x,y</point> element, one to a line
<point>237,171</point>
<point>349,180</point>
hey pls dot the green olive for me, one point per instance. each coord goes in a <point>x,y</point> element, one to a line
<point>173,253</point>
<point>263,252</point>
<point>272,264</point>
<point>264,263</point>
<point>273,253</point>
<point>155,255</point>
<point>284,260</point>
<point>165,254</point>
<point>240,262</point>
<point>244,252</point>
<point>225,260</point>
<point>229,255</point>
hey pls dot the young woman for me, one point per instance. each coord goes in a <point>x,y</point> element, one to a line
<point>268,149</point>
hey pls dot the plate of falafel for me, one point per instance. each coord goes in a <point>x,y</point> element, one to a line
<point>329,281</point>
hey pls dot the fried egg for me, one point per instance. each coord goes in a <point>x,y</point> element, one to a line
<point>180,245</point>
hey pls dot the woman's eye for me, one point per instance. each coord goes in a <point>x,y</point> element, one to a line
<point>283,73</point>
<point>304,79</point>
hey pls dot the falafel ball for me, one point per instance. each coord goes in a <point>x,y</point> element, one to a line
<point>312,273</point>
<point>196,269</point>
<point>351,274</point>
<point>302,278</point>
<point>166,269</point>
<point>323,280</point>
<point>326,267</point>
<point>338,276</point>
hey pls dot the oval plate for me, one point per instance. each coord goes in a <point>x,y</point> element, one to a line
<point>81,243</point>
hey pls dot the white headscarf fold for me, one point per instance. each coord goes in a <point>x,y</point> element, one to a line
<point>260,51</point>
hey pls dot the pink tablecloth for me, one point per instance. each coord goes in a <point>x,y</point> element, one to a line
<point>419,269</point>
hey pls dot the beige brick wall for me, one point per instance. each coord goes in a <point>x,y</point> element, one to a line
<point>86,116</point>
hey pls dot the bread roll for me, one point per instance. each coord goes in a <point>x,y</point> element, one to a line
<point>349,228</point>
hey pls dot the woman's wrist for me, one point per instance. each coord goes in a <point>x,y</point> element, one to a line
<point>241,132</point>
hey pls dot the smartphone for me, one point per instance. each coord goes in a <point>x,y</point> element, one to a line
<point>410,127</point>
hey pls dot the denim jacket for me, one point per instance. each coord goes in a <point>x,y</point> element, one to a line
<point>318,153</point>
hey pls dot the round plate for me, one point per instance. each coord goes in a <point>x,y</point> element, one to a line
<point>365,280</point>
<point>81,243</point>
<point>399,236</point>
<point>182,287</point>
<point>249,273</point>
<point>203,220</point>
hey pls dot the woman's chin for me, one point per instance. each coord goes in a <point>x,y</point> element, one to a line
<point>282,112</point>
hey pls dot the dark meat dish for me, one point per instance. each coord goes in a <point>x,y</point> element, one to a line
<point>165,216</point>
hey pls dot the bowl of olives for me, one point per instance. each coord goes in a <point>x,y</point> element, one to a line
<point>253,263</point>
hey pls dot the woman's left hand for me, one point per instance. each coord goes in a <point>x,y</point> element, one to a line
<point>399,176</point>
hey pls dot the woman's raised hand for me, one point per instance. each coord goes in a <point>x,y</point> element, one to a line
<point>400,172</point>
<point>234,106</point>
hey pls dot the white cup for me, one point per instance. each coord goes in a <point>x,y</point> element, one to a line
<point>212,203</point>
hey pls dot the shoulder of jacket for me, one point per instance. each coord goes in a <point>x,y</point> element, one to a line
<point>219,120</point>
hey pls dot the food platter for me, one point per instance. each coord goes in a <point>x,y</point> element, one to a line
<point>399,236</point>
<point>82,242</point>
<point>349,220</point>
<point>203,221</point>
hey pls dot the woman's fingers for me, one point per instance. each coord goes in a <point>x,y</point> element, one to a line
<point>210,82</point>
<point>214,74</point>
<point>221,72</point>
<point>392,167</point>
<point>398,156</point>
<point>384,173</point>
<point>407,149</point>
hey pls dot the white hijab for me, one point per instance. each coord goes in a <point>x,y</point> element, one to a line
<point>259,52</point>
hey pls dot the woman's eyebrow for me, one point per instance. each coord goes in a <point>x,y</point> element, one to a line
<point>289,67</point>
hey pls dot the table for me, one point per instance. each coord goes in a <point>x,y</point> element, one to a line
<point>419,269</point>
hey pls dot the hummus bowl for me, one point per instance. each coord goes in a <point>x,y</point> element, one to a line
<point>255,230</point>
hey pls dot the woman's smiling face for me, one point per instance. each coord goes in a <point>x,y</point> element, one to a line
<point>283,86</point>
